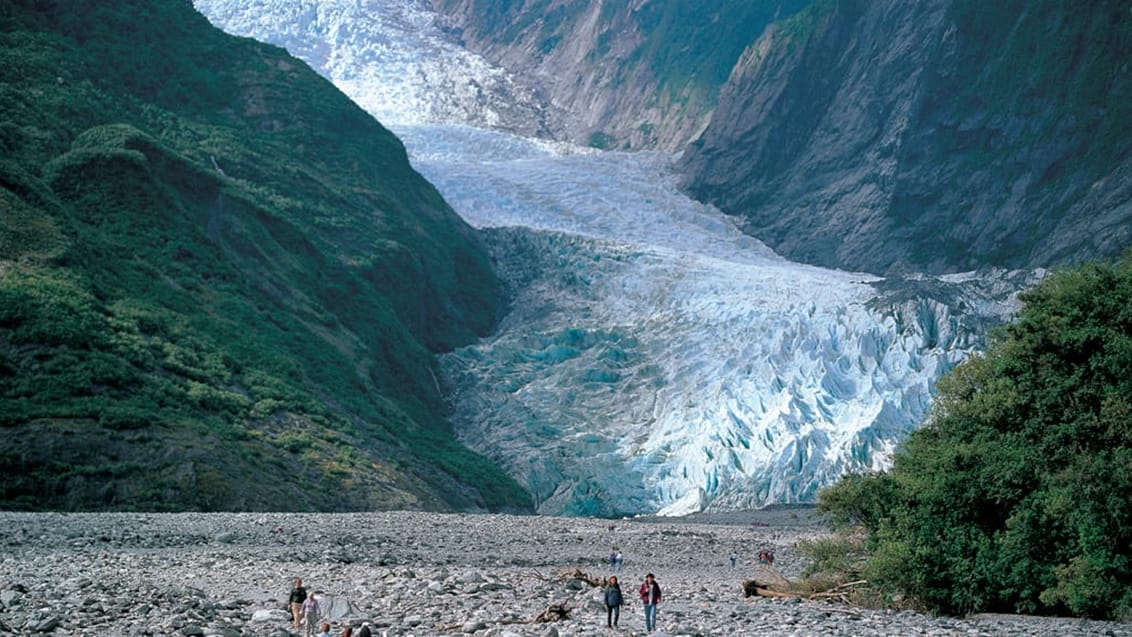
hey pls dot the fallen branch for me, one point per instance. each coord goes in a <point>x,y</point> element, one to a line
<point>750,589</point>
<point>784,588</point>
<point>843,611</point>
<point>577,573</point>
<point>539,576</point>
<point>553,613</point>
<point>770,576</point>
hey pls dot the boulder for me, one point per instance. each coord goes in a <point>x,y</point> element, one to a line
<point>265,615</point>
<point>336,608</point>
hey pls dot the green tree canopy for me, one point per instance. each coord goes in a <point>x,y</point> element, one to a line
<point>1016,495</point>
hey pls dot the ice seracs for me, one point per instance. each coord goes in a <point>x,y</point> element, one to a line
<point>391,57</point>
<point>654,358</point>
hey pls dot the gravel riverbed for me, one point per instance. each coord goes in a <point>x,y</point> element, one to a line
<point>421,574</point>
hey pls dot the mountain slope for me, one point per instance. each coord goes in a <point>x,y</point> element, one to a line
<point>941,136</point>
<point>629,74</point>
<point>221,284</point>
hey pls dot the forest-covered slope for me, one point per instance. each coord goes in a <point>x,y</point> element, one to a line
<point>221,283</point>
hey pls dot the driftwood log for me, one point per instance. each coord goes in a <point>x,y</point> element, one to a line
<point>751,588</point>
<point>553,613</point>
<point>768,582</point>
<point>579,574</point>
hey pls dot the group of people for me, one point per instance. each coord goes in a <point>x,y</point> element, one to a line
<point>766,558</point>
<point>650,590</point>
<point>615,559</point>
<point>306,615</point>
<point>650,597</point>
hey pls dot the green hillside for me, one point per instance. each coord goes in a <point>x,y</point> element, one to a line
<point>221,283</point>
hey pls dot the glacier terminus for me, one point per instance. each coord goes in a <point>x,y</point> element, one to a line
<point>654,359</point>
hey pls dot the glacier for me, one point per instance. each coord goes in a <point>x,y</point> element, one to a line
<point>654,359</point>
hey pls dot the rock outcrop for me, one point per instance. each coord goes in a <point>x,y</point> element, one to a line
<point>629,74</point>
<point>890,137</point>
<point>942,135</point>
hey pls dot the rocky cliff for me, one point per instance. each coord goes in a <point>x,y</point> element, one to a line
<point>940,135</point>
<point>630,74</point>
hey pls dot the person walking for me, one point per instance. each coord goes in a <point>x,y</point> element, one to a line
<point>310,616</point>
<point>613,601</point>
<point>298,596</point>
<point>650,597</point>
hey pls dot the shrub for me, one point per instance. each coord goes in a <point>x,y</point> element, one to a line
<point>1016,495</point>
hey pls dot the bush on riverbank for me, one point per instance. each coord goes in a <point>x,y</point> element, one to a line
<point>1017,494</point>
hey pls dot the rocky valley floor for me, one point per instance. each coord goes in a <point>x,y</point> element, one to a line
<point>421,574</point>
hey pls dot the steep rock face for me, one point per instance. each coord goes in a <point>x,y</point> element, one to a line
<point>940,135</point>
<point>630,74</point>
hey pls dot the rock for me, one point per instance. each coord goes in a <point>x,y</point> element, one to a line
<point>265,615</point>
<point>471,577</point>
<point>487,587</point>
<point>335,608</point>
<point>46,625</point>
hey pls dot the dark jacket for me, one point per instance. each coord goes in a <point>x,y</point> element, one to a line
<point>298,595</point>
<point>613,595</point>
<point>645,592</point>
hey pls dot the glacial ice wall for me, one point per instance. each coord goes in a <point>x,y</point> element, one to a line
<point>655,359</point>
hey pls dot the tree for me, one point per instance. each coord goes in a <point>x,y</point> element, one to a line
<point>1016,495</point>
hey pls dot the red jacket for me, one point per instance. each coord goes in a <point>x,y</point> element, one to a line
<point>645,592</point>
